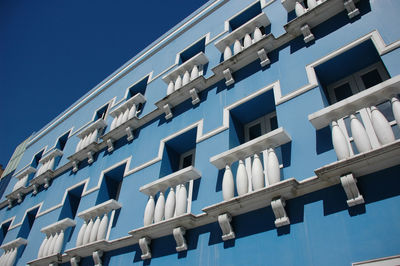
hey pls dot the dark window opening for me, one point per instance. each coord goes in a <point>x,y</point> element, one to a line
<point>101,113</point>
<point>62,141</point>
<point>71,203</point>
<point>138,87</point>
<point>193,50</point>
<point>36,159</point>
<point>3,230</point>
<point>245,16</point>
<point>27,223</point>
<point>111,184</point>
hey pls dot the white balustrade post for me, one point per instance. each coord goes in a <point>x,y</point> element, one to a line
<point>396,110</point>
<point>160,207</point>
<point>257,173</point>
<point>339,142</point>
<point>381,126</point>
<point>170,204</point>
<point>228,186</point>
<point>242,184</point>
<point>360,135</point>
<point>149,211</point>
<point>273,169</point>
<point>181,200</point>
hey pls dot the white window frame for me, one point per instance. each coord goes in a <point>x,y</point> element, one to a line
<point>184,155</point>
<point>264,121</point>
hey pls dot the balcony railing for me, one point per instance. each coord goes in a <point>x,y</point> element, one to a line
<point>11,251</point>
<point>318,12</point>
<point>20,188</point>
<point>125,120</point>
<point>248,43</point>
<point>185,82</point>
<point>46,170</point>
<point>88,143</point>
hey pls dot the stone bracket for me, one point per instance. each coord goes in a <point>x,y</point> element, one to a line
<point>278,207</point>
<point>97,257</point>
<point>352,11</point>
<point>35,189</point>
<point>90,157</point>
<point>224,221</point>
<point>179,235</point>
<point>46,182</point>
<point>129,134</point>
<point>308,36</point>
<point>10,203</point>
<point>110,145</point>
<point>19,195</point>
<point>167,111</point>
<point>75,261</point>
<point>53,264</point>
<point>262,54</point>
<point>228,77</point>
<point>74,166</point>
<point>350,187</point>
<point>144,244</point>
<point>195,96</point>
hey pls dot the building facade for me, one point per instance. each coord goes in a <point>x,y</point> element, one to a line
<point>252,133</point>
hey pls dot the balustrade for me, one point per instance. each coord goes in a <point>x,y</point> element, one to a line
<point>11,251</point>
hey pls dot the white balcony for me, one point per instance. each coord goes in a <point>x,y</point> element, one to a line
<point>185,82</point>
<point>20,188</point>
<point>88,144</point>
<point>52,245</point>
<point>46,170</point>
<point>125,120</point>
<point>11,251</point>
<point>312,17</point>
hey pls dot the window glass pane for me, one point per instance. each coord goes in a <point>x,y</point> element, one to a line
<point>274,123</point>
<point>371,78</point>
<point>343,91</point>
<point>187,161</point>
<point>254,131</point>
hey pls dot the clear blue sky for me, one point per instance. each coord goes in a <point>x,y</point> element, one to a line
<point>53,52</point>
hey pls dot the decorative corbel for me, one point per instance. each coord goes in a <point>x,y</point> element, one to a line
<point>97,257</point>
<point>195,96</point>
<point>10,203</point>
<point>53,264</point>
<point>262,54</point>
<point>74,166</point>
<point>351,8</point>
<point>308,36</point>
<point>144,244</point>
<point>179,235</point>
<point>228,77</point>
<point>167,111</point>
<point>75,261</point>
<point>46,182</point>
<point>90,157</point>
<point>278,207</point>
<point>350,187</point>
<point>35,189</point>
<point>19,195</point>
<point>224,221</point>
<point>110,145</point>
<point>129,134</point>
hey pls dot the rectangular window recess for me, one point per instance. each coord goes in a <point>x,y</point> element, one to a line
<point>272,139</point>
<point>62,141</point>
<point>27,171</point>
<point>50,155</point>
<point>58,226</point>
<point>372,96</point>
<point>200,59</point>
<point>101,113</point>
<point>138,87</point>
<point>260,20</point>
<point>260,126</point>
<point>36,159</point>
<point>245,15</point>
<point>192,50</point>
<point>98,124</point>
<point>180,177</point>
<point>100,209</point>
<point>137,99</point>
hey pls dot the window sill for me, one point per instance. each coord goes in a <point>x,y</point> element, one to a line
<point>98,124</point>
<point>58,226</point>
<point>100,209</point>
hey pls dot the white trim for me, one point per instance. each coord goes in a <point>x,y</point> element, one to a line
<point>264,3</point>
<point>149,76</point>
<point>226,23</point>
<point>206,42</point>
<point>385,261</point>
<point>12,226</point>
<point>185,154</point>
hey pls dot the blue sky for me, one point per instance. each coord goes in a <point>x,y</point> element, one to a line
<point>53,52</point>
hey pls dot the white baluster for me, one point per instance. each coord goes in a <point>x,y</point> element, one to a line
<point>339,142</point>
<point>257,34</point>
<point>381,126</point>
<point>114,122</point>
<point>119,121</point>
<point>132,111</point>
<point>359,135</point>
<point>88,231</point>
<point>178,82</point>
<point>59,242</point>
<point>95,230</point>
<point>170,88</point>
<point>81,234</point>
<point>195,72</point>
<point>181,200</point>
<point>186,78</point>
<point>101,233</point>
<point>149,211</point>
<point>227,53</point>
<point>51,163</point>
<point>95,133</point>
<point>242,184</point>
<point>160,207</point>
<point>257,173</point>
<point>237,47</point>
<point>274,172</point>
<point>299,9</point>
<point>13,257</point>
<point>42,246</point>
<point>78,147</point>
<point>170,204</point>
<point>247,40</point>
<point>396,110</point>
<point>125,116</point>
<point>228,186</point>
<point>52,240</point>
<point>311,4</point>
<point>84,142</point>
